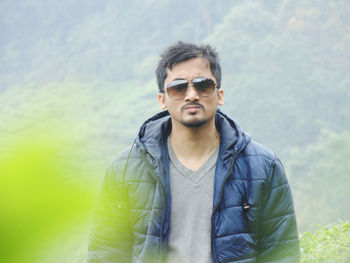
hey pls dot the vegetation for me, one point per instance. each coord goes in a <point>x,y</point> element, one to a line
<point>46,195</point>
<point>321,179</point>
<point>327,245</point>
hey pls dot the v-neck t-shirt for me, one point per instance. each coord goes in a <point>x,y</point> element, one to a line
<point>191,210</point>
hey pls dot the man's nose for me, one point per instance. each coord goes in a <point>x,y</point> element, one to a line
<point>191,93</point>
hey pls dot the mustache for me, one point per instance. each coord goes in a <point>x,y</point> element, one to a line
<point>192,104</point>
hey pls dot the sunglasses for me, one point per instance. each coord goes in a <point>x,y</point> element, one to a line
<point>177,89</point>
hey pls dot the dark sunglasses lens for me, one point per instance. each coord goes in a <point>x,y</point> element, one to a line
<point>177,88</point>
<point>204,86</point>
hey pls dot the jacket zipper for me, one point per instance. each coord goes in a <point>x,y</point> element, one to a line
<point>218,202</point>
<point>143,153</point>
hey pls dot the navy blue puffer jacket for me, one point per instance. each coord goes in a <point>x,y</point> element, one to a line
<point>253,217</point>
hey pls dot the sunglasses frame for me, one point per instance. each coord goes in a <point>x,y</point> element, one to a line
<point>181,86</point>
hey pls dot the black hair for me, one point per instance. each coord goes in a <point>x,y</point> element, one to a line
<point>181,52</point>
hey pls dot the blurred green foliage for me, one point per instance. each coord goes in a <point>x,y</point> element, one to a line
<point>329,244</point>
<point>44,192</point>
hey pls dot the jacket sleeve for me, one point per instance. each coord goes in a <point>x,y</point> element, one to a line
<point>111,236</point>
<point>278,230</point>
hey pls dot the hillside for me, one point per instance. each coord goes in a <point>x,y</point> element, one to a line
<point>85,69</point>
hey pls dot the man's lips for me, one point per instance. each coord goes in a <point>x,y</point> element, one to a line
<point>193,107</point>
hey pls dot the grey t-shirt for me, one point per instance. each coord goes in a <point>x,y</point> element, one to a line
<point>191,209</point>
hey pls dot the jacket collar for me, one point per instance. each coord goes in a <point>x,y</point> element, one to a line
<point>154,132</point>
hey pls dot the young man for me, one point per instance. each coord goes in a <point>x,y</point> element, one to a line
<point>194,187</point>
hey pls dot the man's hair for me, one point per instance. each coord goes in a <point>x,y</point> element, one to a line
<point>181,52</point>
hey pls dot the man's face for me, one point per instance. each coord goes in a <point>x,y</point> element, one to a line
<point>193,110</point>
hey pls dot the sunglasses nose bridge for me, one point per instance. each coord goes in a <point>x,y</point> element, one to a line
<point>191,90</point>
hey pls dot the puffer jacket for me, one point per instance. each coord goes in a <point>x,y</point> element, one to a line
<point>253,217</point>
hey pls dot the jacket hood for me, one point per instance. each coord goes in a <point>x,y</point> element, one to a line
<point>154,132</point>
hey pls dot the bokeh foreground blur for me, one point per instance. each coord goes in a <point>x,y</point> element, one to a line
<point>45,197</point>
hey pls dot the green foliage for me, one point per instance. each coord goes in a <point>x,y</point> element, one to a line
<point>320,178</point>
<point>106,115</point>
<point>279,59</point>
<point>329,244</point>
<point>45,191</point>
<point>282,72</point>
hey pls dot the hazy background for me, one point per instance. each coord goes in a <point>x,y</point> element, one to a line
<point>85,70</point>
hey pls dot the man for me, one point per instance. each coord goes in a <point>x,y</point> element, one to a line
<point>194,187</point>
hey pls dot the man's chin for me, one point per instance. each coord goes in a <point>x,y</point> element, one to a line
<point>194,123</point>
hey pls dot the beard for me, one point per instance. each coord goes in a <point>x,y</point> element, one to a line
<point>194,123</point>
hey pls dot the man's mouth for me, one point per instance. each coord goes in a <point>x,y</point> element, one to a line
<point>193,107</point>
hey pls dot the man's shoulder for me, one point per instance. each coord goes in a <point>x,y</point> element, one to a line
<point>264,162</point>
<point>123,158</point>
<point>130,152</point>
<point>260,151</point>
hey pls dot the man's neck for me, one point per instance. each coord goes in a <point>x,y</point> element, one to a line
<point>194,146</point>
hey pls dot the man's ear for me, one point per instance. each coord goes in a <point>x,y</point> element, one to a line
<point>220,97</point>
<point>161,100</point>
